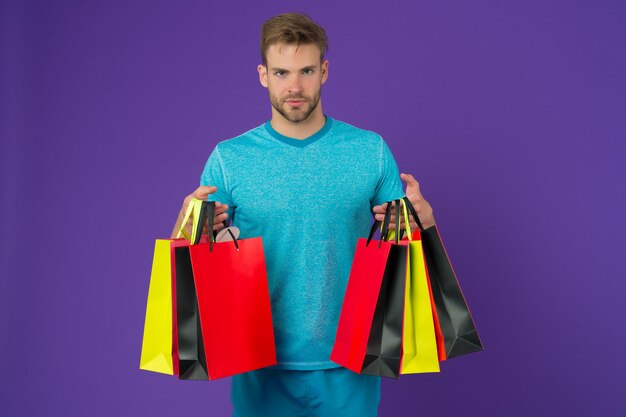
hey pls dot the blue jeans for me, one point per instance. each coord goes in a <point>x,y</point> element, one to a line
<point>327,392</point>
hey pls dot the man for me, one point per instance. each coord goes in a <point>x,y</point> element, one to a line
<point>307,184</point>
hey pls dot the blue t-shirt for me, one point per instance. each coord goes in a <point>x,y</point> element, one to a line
<point>310,200</point>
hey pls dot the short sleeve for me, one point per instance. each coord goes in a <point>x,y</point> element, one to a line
<point>215,174</point>
<point>389,186</point>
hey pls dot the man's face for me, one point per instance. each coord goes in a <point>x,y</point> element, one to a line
<point>293,77</point>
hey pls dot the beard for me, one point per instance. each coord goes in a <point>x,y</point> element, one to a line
<point>298,114</point>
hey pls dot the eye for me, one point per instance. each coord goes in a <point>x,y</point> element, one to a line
<point>308,71</point>
<point>279,73</point>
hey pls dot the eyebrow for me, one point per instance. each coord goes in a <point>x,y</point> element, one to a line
<point>274,69</point>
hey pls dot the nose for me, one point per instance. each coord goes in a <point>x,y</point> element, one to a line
<point>296,84</point>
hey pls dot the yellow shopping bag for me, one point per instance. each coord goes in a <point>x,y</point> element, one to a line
<point>156,349</point>
<point>157,346</point>
<point>418,343</point>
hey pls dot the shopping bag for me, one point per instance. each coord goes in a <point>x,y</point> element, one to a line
<point>159,345</point>
<point>383,354</point>
<point>369,331</point>
<point>441,346</point>
<point>455,321</point>
<point>359,304</point>
<point>419,349</point>
<point>156,348</point>
<point>189,344</point>
<point>233,303</point>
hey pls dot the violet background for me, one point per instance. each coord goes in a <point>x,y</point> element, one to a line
<point>512,115</point>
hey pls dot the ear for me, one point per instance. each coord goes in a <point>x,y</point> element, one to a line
<point>324,71</point>
<point>262,69</point>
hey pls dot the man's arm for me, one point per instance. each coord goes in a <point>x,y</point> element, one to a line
<point>201,193</point>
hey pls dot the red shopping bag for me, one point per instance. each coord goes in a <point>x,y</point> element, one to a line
<point>357,313</point>
<point>354,330</point>
<point>234,304</point>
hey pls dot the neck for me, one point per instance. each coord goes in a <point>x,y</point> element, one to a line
<point>299,130</point>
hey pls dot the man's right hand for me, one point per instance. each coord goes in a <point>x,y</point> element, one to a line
<point>201,193</point>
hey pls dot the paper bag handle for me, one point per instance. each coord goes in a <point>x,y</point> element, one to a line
<point>193,208</point>
<point>408,204</point>
<point>384,227</point>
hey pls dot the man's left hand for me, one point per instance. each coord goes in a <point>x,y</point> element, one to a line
<point>421,205</point>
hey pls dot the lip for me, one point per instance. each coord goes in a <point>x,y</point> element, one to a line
<point>295,102</point>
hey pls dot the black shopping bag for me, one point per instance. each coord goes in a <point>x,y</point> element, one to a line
<point>456,323</point>
<point>191,355</point>
<point>384,346</point>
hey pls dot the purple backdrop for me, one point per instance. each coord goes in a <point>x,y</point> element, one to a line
<point>511,115</point>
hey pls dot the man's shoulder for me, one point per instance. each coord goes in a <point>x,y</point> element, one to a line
<point>244,139</point>
<point>352,132</point>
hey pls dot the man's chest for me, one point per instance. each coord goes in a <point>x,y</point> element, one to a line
<point>310,185</point>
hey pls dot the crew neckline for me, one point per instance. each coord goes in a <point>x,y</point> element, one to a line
<point>300,143</point>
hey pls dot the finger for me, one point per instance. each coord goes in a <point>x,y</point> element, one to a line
<point>218,221</point>
<point>222,208</point>
<point>380,208</point>
<point>416,200</point>
<point>219,218</point>
<point>392,226</point>
<point>381,217</point>
<point>202,192</point>
<point>412,186</point>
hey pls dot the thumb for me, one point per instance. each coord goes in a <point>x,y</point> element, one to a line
<point>412,186</point>
<point>203,191</point>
